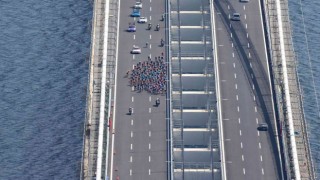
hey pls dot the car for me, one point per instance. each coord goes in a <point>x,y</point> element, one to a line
<point>263,127</point>
<point>138,5</point>
<point>132,28</point>
<point>142,20</point>
<point>235,17</point>
<point>135,13</point>
<point>136,50</point>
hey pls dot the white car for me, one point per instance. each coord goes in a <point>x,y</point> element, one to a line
<point>138,5</point>
<point>136,50</point>
<point>142,20</point>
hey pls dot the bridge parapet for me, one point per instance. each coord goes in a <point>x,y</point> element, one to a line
<point>293,127</point>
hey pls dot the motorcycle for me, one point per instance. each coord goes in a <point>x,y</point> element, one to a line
<point>157,102</point>
<point>162,17</point>
<point>149,26</point>
<point>130,110</point>
<point>157,27</point>
<point>162,42</point>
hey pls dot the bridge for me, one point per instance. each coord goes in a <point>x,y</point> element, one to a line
<point>223,78</point>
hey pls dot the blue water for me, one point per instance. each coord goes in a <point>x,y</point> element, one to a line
<point>44,46</point>
<point>311,16</point>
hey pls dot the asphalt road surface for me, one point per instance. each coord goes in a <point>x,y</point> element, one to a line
<point>139,143</point>
<point>249,153</point>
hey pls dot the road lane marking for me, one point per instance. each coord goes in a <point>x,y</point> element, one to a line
<point>223,80</point>
<point>262,171</point>
<point>224,99</point>
<point>253,86</point>
<point>149,121</point>
<point>231,44</point>
<point>239,120</point>
<point>241,145</point>
<point>150,46</point>
<point>149,172</point>
<point>227,139</point>
<point>246,26</point>
<point>235,75</point>
<point>231,35</point>
<point>149,133</point>
<point>228,7</point>
<point>149,98</point>
<point>245,16</point>
<point>249,55</point>
<point>133,66</point>
<point>258,133</point>
<point>149,110</point>
<point>130,158</point>
<point>150,1</point>
<point>233,54</point>
<point>133,56</point>
<point>234,65</point>
<point>150,18</point>
<point>251,76</point>
<point>257,121</point>
<point>242,158</point>
<point>132,88</point>
<point>255,108</point>
<point>131,134</point>
<point>130,172</point>
<point>132,99</point>
<point>149,146</point>
<point>261,158</point>
<point>226,119</point>
<point>247,35</point>
<point>150,8</point>
<point>236,86</point>
<point>244,7</point>
<point>131,122</point>
<point>237,97</point>
<point>220,45</point>
<point>248,45</point>
<point>238,108</point>
<point>134,36</point>
<point>240,133</point>
<point>130,146</point>
<point>149,158</point>
<point>254,97</point>
<point>244,171</point>
<point>150,36</point>
<point>250,65</point>
<point>259,145</point>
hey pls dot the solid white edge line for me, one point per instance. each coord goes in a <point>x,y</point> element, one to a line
<point>221,135</point>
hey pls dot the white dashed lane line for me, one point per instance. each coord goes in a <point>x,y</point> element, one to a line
<point>234,65</point>
<point>244,7</point>
<point>232,54</point>
<point>244,171</point>
<point>131,122</point>
<point>149,158</point>
<point>236,86</point>
<point>150,36</point>
<point>239,120</point>
<point>240,133</point>
<point>131,147</point>
<point>242,157</point>
<point>255,108</point>
<point>238,108</point>
<point>259,145</point>
<point>149,110</point>
<point>149,133</point>
<point>150,8</point>
<point>149,146</point>
<point>241,145</point>
<point>258,133</point>
<point>235,75</point>
<point>131,134</point>
<point>245,16</point>
<point>246,26</point>
<point>150,18</point>
<point>261,158</point>
<point>149,98</point>
<point>262,171</point>
<point>254,98</point>
<point>133,56</point>
<point>149,121</point>
<point>130,172</point>
<point>257,121</point>
<point>149,172</point>
<point>134,36</point>
<point>132,99</point>
<point>237,97</point>
<point>232,44</point>
<point>130,158</point>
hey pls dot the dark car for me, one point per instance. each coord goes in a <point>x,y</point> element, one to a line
<point>263,127</point>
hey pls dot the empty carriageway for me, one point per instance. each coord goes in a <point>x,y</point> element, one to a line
<point>195,136</point>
